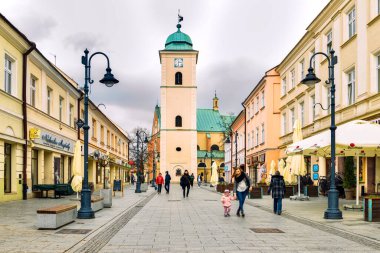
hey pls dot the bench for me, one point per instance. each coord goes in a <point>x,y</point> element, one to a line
<point>56,216</point>
<point>59,189</point>
<point>97,203</point>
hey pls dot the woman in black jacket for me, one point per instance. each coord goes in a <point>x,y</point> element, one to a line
<point>185,183</point>
<point>242,186</point>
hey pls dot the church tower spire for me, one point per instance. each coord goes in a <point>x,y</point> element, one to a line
<point>215,103</point>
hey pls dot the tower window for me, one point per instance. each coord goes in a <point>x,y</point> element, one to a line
<point>178,121</point>
<point>178,78</point>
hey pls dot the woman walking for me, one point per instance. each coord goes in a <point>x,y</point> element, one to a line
<point>242,185</point>
<point>191,180</point>
<point>277,186</point>
<point>185,183</point>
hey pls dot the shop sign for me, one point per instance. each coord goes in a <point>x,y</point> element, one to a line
<point>50,140</point>
<point>34,133</point>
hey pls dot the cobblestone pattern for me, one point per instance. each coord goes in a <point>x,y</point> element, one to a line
<point>96,243</point>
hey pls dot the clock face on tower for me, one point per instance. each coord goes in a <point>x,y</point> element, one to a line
<point>178,62</point>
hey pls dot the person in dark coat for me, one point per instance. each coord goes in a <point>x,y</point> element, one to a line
<point>242,186</point>
<point>185,183</point>
<point>167,181</point>
<point>191,180</point>
<point>277,186</point>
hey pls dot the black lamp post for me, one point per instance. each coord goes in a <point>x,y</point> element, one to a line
<point>139,162</point>
<point>85,211</point>
<point>332,211</point>
<point>156,157</point>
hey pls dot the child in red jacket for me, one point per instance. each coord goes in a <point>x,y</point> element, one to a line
<point>159,182</point>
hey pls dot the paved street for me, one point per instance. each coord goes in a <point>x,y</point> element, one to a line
<point>169,223</point>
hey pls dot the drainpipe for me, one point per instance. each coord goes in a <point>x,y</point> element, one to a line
<point>25,120</point>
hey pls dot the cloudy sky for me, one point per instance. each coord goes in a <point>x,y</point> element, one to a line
<point>238,41</point>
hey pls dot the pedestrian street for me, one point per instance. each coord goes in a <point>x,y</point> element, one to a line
<point>170,223</point>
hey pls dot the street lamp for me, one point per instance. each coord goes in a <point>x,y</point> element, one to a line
<point>156,157</point>
<point>85,211</point>
<point>139,162</point>
<point>332,211</point>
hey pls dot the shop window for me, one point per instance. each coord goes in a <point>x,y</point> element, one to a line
<point>34,166</point>
<point>7,168</point>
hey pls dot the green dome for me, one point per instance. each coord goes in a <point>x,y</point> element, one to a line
<point>178,41</point>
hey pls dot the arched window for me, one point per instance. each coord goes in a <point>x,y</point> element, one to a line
<point>178,78</point>
<point>215,147</point>
<point>198,148</point>
<point>178,121</point>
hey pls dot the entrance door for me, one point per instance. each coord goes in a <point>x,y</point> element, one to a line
<point>371,174</point>
<point>7,168</point>
<point>34,166</point>
<point>57,170</point>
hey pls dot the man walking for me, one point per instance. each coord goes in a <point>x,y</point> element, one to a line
<point>277,186</point>
<point>159,182</point>
<point>167,181</point>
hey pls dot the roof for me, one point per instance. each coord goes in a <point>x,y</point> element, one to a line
<point>217,154</point>
<point>208,120</point>
<point>178,41</point>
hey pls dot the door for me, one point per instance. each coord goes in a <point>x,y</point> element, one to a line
<point>371,174</point>
<point>62,170</point>
<point>34,166</point>
<point>7,168</point>
<point>57,170</point>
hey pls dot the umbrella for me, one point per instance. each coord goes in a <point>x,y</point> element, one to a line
<point>214,176</point>
<point>298,162</point>
<point>76,183</point>
<point>272,171</point>
<point>288,176</point>
<point>281,166</point>
<point>355,138</point>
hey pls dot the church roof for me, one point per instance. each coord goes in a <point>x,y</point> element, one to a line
<point>178,41</point>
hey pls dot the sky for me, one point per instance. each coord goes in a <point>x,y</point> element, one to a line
<point>237,40</point>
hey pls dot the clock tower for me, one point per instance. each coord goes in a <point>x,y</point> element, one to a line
<point>178,133</point>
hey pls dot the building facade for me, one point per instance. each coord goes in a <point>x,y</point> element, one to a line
<point>237,137</point>
<point>352,29</point>
<point>262,120</point>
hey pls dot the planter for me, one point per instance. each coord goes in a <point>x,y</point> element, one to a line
<point>289,191</point>
<point>349,193</point>
<point>311,191</point>
<point>107,197</point>
<point>371,209</point>
<point>265,189</point>
<point>256,193</point>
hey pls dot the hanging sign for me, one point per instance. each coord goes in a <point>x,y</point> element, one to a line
<point>34,133</point>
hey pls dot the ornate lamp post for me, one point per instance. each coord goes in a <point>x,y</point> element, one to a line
<point>85,211</point>
<point>142,137</point>
<point>332,211</point>
<point>156,157</point>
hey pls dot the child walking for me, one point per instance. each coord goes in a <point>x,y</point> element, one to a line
<point>226,201</point>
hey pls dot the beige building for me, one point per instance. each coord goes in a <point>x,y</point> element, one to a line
<point>262,120</point>
<point>238,145</point>
<point>352,29</point>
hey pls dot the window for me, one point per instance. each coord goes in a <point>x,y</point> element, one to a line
<point>302,113</point>
<point>32,101</point>
<point>93,128</point>
<point>329,41</point>
<point>178,78</point>
<point>49,98</point>
<point>178,121</point>
<point>102,134</point>
<point>34,164</point>
<point>284,123</point>
<point>292,78</point>
<point>351,23</point>
<point>198,148</point>
<point>312,98</point>
<point>253,138</point>
<point>351,87</point>
<point>214,147</point>
<point>262,133</point>
<point>60,108</point>
<point>262,98</point>
<point>8,75</point>
<point>302,69</point>
<point>249,140</point>
<point>257,104</point>
<point>283,86</point>
<point>253,108</point>
<point>378,71</point>
<point>257,136</point>
<point>292,117</point>
<point>313,60</point>
<point>108,138</point>
<point>249,112</point>
<point>71,114</point>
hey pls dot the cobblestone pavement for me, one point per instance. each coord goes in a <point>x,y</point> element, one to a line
<point>169,223</point>
<point>18,232</point>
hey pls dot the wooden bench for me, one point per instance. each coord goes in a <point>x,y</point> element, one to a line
<point>56,216</point>
<point>97,203</point>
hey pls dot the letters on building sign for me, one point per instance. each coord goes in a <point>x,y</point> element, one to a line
<point>53,141</point>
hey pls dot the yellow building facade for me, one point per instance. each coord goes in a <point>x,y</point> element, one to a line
<point>352,29</point>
